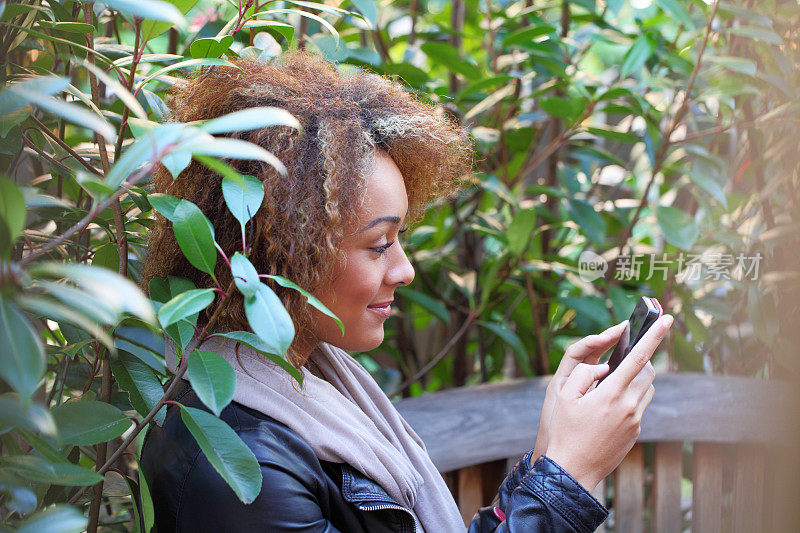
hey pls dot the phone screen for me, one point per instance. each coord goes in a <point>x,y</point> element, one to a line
<point>645,313</point>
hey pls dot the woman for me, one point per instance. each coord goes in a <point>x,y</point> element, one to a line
<point>336,456</point>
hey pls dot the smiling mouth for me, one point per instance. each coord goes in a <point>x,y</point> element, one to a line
<point>382,309</point>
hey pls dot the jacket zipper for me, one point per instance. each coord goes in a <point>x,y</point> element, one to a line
<point>384,506</point>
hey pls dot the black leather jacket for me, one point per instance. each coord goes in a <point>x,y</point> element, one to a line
<point>301,493</point>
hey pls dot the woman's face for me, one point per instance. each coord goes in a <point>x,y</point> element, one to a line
<point>362,292</point>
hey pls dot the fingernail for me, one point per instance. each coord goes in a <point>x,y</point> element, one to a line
<point>666,321</point>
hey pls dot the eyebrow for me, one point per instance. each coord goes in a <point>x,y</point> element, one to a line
<point>379,220</point>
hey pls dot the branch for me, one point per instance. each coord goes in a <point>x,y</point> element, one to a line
<point>439,356</point>
<point>85,221</point>
<point>75,155</point>
<point>673,124</point>
<point>176,377</point>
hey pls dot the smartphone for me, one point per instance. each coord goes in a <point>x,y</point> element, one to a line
<point>644,315</point>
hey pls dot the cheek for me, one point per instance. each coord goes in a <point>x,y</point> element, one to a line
<point>358,286</point>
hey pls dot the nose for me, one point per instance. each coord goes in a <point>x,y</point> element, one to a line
<point>401,271</point>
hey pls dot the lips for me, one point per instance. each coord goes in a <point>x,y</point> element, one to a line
<point>382,309</point>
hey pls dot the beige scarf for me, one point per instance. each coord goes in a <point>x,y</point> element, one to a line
<point>346,418</point>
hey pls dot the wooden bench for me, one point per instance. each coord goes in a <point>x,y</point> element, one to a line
<point>714,454</point>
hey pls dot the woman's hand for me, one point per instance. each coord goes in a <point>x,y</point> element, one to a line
<point>592,429</point>
<point>588,351</point>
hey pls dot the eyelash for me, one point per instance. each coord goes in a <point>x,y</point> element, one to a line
<point>382,249</point>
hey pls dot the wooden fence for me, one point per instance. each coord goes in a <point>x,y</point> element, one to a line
<point>714,453</point>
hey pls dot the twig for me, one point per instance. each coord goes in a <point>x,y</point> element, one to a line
<point>433,362</point>
<point>85,221</point>
<point>673,124</point>
<point>66,147</point>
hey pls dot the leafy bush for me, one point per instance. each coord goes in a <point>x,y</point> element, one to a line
<point>599,127</point>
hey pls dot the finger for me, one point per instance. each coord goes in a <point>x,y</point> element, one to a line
<point>643,381</point>
<point>581,379</point>
<point>645,401</point>
<point>589,349</point>
<point>633,363</point>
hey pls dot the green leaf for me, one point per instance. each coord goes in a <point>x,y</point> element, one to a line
<point>679,228</point>
<point>44,306</point>
<point>448,55</point>
<point>157,106</point>
<point>324,23</point>
<point>431,305</point>
<point>70,112</point>
<point>245,275</point>
<point>89,422</point>
<point>140,381</point>
<point>185,305</point>
<point>210,46</point>
<point>643,47</point>
<point>205,144</point>
<point>212,378</point>
<point>23,362</point>
<point>194,235</point>
<point>225,451</point>
<point>252,340</point>
<point>13,96</point>
<point>614,135</point>
<point>59,518</point>
<point>148,9</point>
<point>12,212</point>
<point>759,34</point>
<point>152,29</point>
<point>524,36</point>
<point>591,309</point>
<point>41,470</point>
<point>705,178</point>
<point>252,118</point>
<point>520,229</point>
<point>269,320</point>
<point>117,292</point>
<point>14,413</point>
<point>176,161</point>
<point>512,339</point>
<point>590,221</point>
<point>310,298</point>
<point>127,98</point>
<point>676,10</point>
<point>369,9</point>
<point>164,204</point>
<point>565,108</point>
<point>243,196</point>
<point>736,64</point>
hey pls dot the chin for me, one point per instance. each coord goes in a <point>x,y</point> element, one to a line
<point>361,343</point>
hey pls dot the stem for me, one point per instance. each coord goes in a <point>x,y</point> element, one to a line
<point>66,147</point>
<point>673,124</point>
<point>439,356</point>
<point>85,221</point>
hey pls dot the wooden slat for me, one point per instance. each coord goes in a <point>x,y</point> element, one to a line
<point>629,492</point>
<point>667,471</point>
<point>748,488</point>
<point>707,488</point>
<point>599,492</point>
<point>470,491</point>
<point>783,490</point>
<point>470,425</point>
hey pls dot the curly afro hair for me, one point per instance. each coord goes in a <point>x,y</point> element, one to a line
<point>297,231</point>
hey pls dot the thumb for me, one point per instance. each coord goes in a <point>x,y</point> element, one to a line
<point>581,379</point>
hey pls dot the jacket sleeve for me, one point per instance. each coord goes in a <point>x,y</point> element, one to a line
<point>286,502</point>
<point>541,498</point>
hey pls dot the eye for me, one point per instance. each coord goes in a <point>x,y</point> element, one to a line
<point>382,249</point>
